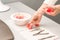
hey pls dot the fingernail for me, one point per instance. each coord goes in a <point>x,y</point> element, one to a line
<point>37,25</point>
<point>50,10</point>
<point>29,25</point>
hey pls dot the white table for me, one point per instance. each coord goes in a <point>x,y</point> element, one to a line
<point>20,7</point>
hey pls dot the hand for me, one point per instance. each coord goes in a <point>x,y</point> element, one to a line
<point>38,15</point>
<point>54,10</point>
<point>36,19</point>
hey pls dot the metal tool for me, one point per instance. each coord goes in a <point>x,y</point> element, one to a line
<point>36,29</point>
<point>38,32</point>
<point>44,33</point>
<point>47,37</point>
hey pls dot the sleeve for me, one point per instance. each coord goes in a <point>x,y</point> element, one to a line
<point>50,2</point>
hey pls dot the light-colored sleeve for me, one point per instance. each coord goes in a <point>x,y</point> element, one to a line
<point>50,2</point>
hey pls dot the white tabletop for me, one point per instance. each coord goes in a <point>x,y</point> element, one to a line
<point>20,7</point>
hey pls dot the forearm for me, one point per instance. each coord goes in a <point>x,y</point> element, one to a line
<point>58,8</point>
<point>40,11</point>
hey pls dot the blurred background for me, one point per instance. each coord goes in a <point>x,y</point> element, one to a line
<point>35,4</point>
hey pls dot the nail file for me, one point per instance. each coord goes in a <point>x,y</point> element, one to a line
<point>36,29</point>
<point>38,33</point>
<point>43,33</point>
<point>46,37</point>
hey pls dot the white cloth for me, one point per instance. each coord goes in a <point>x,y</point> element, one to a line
<point>50,2</point>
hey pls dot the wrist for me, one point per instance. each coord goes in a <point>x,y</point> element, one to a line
<point>41,9</point>
<point>57,7</point>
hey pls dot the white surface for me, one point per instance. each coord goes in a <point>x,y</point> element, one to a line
<point>3,7</point>
<point>50,2</point>
<point>28,34</point>
<point>19,7</point>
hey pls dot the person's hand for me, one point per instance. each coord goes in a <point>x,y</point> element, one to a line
<point>54,10</point>
<point>34,22</point>
<point>36,19</point>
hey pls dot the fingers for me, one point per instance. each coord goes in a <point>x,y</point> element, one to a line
<point>51,11</point>
<point>54,13</point>
<point>36,19</point>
